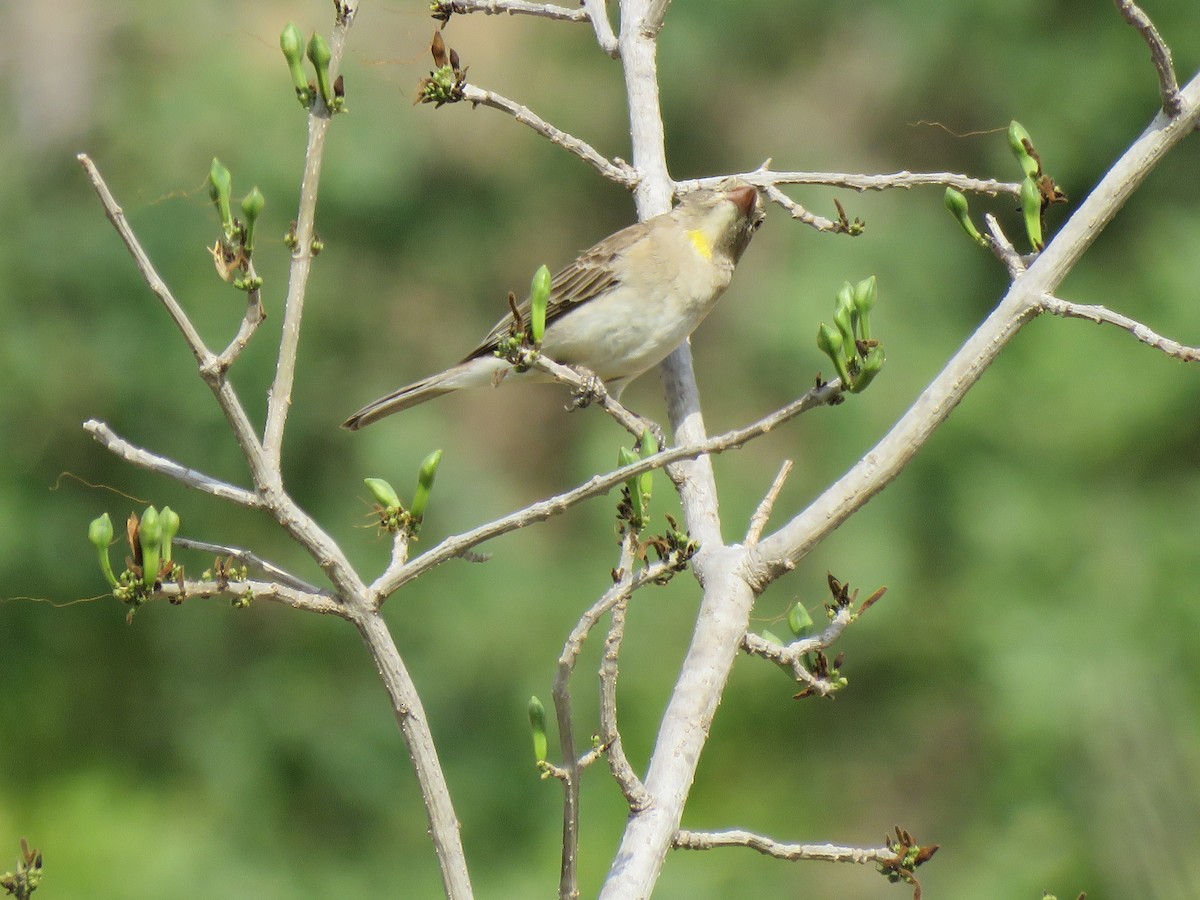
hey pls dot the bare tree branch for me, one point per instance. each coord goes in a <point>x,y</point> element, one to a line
<point>1160,54</point>
<point>515,8</point>
<point>614,170</point>
<point>249,558</point>
<point>762,514</point>
<point>764,178</point>
<point>597,11</point>
<point>152,462</point>
<point>1103,316</point>
<point>710,840</point>
<point>256,590</point>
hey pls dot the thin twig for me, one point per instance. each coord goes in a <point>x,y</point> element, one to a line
<point>791,656</point>
<point>601,484</point>
<point>282,576</point>
<point>798,212</point>
<point>316,602</point>
<point>1160,54</point>
<point>762,514</point>
<point>152,462</point>
<point>255,316</point>
<point>585,385</point>
<point>1003,247</point>
<point>597,12</point>
<point>1103,316</point>
<point>614,170</point>
<point>610,735</point>
<point>279,400</point>
<point>764,177</point>
<point>710,840</point>
<point>515,8</point>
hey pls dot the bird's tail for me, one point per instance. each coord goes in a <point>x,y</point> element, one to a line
<point>475,372</point>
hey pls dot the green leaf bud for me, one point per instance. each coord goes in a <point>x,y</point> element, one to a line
<point>799,621</point>
<point>537,723</point>
<point>291,42</point>
<point>252,207</point>
<point>150,535</point>
<point>428,472</point>
<point>648,447</point>
<point>169,519</point>
<point>871,366</point>
<point>768,635</point>
<point>866,292</point>
<point>844,316</point>
<point>220,184</point>
<point>385,495</point>
<point>100,534</point>
<point>956,202</point>
<point>1017,139</point>
<point>1031,207</point>
<point>830,342</point>
<point>626,457</point>
<point>320,55</point>
<point>539,297</point>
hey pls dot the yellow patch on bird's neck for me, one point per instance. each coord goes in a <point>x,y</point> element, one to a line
<point>701,242</point>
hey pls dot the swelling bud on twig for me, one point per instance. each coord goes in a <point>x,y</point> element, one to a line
<point>100,534</point>
<point>539,297</point>
<point>1031,208</point>
<point>866,292</point>
<point>291,42</point>
<point>169,519</point>
<point>320,56</point>
<point>871,366</point>
<point>844,315</point>
<point>150,539</point>
<point>537,723</point>
<point>220,185</point>
<point>425,478</point>
<point>799,621</point>
<point>830,342</point>
<point>385,495</point>
<point>252,207</point>
<point>637,500</point>
<point>956,203</point>
<point>1021,143</point>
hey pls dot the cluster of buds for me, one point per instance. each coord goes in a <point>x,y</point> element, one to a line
<point>232,251</point>
<point>332,93</point>
<point>1038,191</point>
<point>856,356</point>
<point>634,506</point>
<point>907,855</point>
<point>28,876</point>
<point>525,340</point>
<point>447,80</point>
<point>149,563</point>
<point>393,517</point>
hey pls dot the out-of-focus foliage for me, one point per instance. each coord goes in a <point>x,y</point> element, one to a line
<point>1024,695</point>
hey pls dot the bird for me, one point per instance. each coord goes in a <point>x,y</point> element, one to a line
<point>620,307</point>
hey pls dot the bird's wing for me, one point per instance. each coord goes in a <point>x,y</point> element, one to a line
<point>586,277</point>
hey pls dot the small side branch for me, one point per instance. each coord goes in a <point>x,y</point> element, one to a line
<point>764,177</point>
<point>614,170</point>
<point>249,558</point>
<point>144,459</point>
<point>1160,53</point>
<point>256,590</point>
<point>710,840</point>
<point>513,8</point>
<point>762,515</point>
<point>589,389</point>
<point>1103,316</point>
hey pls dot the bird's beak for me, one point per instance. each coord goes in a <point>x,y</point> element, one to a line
<point>744,199</point>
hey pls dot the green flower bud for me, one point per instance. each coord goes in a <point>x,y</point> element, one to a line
<point>1031,207</point>
<point>637,503</point>
<point>169,519</point>
<point>799,621</point>
<point>844,315</point>
<point>648,447</point>
<point>425,478</point>
<point>150,534</point>
<point>291,42</point>
<point>384,494</point>
<point>537,722</point>
<point>768,635</point>
<point>320,55</point>
<point>220,184</point>
<point>871,366</point>
<point>539,297</point>
<point>866,292</point>
<point>956,202</point>
<point>252,207</point>
<point>831,343</point>
<point>1017,139</point>
<point>100,534</point>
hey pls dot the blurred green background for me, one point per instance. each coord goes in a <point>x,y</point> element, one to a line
<point>1025,695</point>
